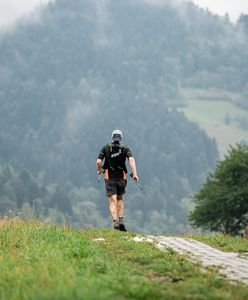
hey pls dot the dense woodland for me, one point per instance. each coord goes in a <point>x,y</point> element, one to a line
<point>79,69</point>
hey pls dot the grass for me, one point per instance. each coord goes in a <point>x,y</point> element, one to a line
<point>222,242</point>
<point>209,109</point>
<point>40,261</point>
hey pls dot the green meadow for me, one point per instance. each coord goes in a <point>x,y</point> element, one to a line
<point>42,261</point>
<point>215,111</point>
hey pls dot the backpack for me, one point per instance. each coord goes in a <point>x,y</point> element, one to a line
<point>115,157</point>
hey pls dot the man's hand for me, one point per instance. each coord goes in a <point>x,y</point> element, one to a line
<point>136,178</point>
<point>133,167</point>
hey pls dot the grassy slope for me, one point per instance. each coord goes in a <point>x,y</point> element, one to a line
<point>47,262</point>
<point>209,109</point>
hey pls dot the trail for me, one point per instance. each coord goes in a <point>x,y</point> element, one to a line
<point>234,266</point>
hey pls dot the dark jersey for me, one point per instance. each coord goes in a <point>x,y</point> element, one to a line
<point>114,156</point>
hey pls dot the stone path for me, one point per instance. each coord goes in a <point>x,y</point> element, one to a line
<point>233,266</point>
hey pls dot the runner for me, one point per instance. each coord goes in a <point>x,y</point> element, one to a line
<point>114,155</point>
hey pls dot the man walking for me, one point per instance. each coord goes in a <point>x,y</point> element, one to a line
<point>114,155</point>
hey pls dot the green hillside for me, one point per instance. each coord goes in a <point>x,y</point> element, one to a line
<point>224,134</point>
<point>39,261</point>
<point>218,113</point>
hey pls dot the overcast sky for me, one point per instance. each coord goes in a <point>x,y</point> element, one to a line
<point>10,10</point>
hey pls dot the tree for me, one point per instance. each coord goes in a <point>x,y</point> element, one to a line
<point>221,204</point>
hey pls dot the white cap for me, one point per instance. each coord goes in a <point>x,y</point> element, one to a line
<point>117,135</point>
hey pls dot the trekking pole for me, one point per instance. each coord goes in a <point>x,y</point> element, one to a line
<point>140,186</point>
<point>99,174</point>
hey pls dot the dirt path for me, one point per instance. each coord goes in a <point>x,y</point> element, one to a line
<point>234,266</point>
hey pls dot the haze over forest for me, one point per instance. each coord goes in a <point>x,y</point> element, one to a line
<point>84,68</point>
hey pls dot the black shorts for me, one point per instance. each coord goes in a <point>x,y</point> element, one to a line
<point>115,187</point>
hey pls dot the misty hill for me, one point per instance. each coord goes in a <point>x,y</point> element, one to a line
<point>83,68</point>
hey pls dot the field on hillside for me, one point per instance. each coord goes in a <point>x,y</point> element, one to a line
<point>215,111</point>
<point>40,261</point>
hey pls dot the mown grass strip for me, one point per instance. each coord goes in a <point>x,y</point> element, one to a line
<point>49,262</point>
<point>222,242</point>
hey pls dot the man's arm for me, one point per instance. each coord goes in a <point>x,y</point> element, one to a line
<point>133,167</point>
<point>99,165</point>
<point>99,160</point>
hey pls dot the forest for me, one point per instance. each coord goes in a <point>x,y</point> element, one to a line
<point>78,70</point>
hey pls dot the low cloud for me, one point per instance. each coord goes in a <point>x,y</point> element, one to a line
<point>14,10</point>
<point>77,117</point>
<point>102,12</point>
<point>11,10</point>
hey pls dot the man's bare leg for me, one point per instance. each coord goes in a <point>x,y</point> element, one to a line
<point>113,209</point>
<point>120,208</point>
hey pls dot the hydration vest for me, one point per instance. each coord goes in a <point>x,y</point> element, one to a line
<point>115,157</point>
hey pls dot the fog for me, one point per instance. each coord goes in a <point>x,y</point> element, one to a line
<point>11,10</point>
